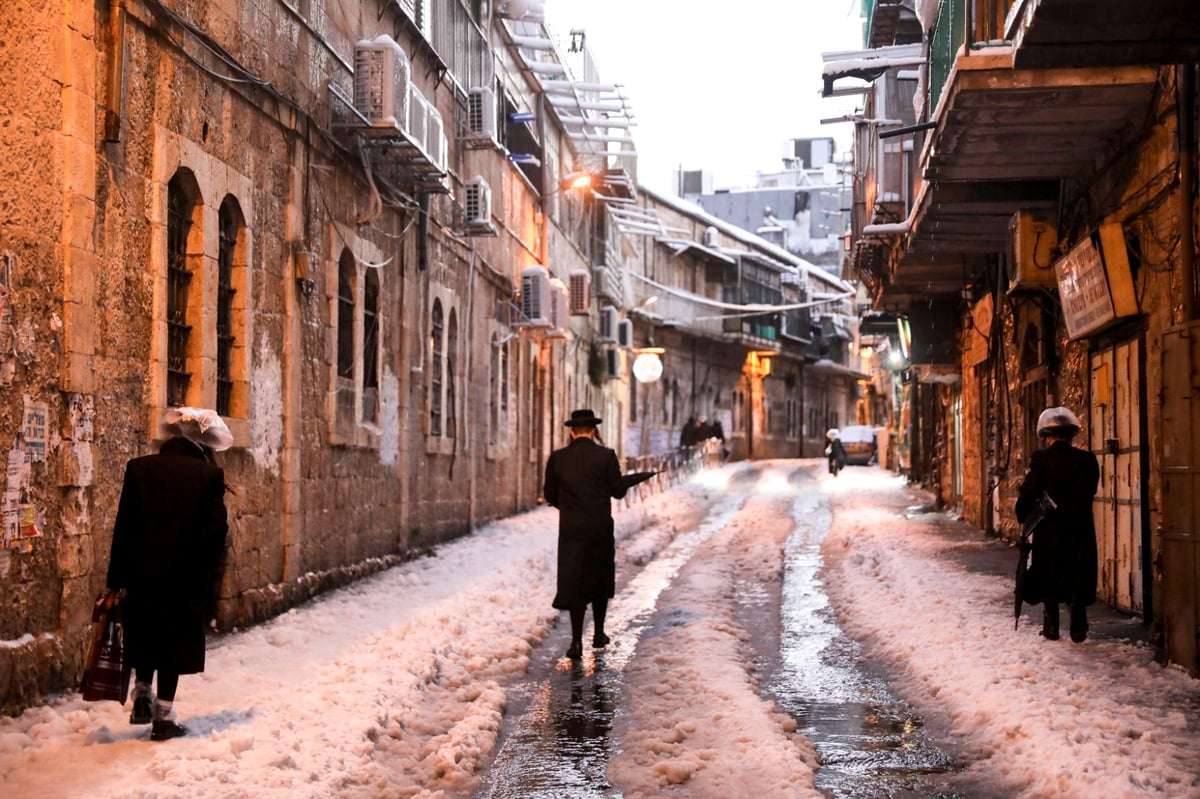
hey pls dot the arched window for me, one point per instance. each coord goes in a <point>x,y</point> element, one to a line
<point>229,258</point>
<point>436,343</point>
<point>182,208</point>
<point>451,370</point>
<point>370,354</point>
<point>347,274</point>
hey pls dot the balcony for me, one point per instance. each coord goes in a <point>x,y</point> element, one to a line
<point>1004,139</point>
<point>1055,34</point>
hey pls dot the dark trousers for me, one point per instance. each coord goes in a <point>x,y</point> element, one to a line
<point>599,611</point>
<point>1079,622</point>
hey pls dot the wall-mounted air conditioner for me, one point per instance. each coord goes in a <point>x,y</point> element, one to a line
<point>581,294</point>
<point>607,284</point>
<point>535,297</point>
<point>560,310</point>
<point>435,137</point>
<point>613,362</point>
<point>625,334</point>
<point>606,331</point>
<point>381,81</point>
<point>481,116</point>
<point>477,208</point>
<point>416,121</point>
<point>1032,242</point>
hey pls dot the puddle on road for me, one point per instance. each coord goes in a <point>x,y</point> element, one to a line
<point>871,744</point>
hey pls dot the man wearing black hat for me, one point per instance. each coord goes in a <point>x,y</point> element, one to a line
<point>581,480</point>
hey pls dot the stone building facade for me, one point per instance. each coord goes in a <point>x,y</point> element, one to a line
<point>1044,254</point>
<point>344,225</point>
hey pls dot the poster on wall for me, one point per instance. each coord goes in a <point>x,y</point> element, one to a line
<point>1094,282</point>
<point>33,429</point>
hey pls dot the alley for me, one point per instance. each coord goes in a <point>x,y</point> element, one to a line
<point>729,674</point>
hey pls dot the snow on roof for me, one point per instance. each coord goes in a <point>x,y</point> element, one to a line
<point>760,247</point>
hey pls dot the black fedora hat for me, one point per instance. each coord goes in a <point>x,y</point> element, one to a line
<point>582,418</point>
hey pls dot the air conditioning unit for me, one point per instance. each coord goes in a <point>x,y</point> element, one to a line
<point>1032,242</point>
<point>607,330</point>
<point>477,208</point>
<point>481,115</point>
<point>613,362</point>
<point>535,297</point>
<point>625,334</point>
<point>581,299</point>
<point>416,120</point>
<point>560,313</point>
<point>477,202</point>
<point>608,284</point>
<point>381,81</point>
<point>435,137</point>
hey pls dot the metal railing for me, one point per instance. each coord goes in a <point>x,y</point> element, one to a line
<point>673,468</point>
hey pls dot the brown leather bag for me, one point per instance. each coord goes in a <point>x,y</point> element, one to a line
<point>107,673</point>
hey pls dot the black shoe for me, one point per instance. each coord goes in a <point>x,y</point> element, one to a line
<point>165,729</point>
<point>600,640</point>
<point>1079,625</point>
<point>143,711</point>
<point>1049,629</point>
<point>575,651</point>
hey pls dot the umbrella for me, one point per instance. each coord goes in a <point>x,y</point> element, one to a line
<point>633,478</point>
<point>1041,509</point>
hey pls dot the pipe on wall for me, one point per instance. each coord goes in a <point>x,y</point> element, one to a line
<point>1187,191</point>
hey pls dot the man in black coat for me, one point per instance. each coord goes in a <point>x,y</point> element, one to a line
<point>1064,564</point>
<point>582,478</point>
<point>167,543</point>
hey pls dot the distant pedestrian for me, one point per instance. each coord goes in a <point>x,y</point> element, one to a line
<point>582,479</point>
<point>167,543</point>
<point>703,430</point>
<point>835,450</point>
<point>687,436</point>
<point>1064,563</point>
<point>718,432</point>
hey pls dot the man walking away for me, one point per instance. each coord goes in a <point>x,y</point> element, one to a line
<point>582,479</point>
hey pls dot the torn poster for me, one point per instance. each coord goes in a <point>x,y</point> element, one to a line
<point>34,429</point>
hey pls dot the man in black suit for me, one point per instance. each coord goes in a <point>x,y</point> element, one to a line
<point>582,479</point>
<point>167,544</point>
<point>1064,545</point>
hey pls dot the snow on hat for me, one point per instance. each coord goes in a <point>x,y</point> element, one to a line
<point>833,432</point>
<point>1057,421</point>
<point>199,425</point>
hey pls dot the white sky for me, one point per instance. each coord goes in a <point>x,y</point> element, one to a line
<point>717,86</point>
<point>395,686</point>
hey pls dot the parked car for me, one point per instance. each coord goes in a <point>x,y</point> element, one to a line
<point>859,443</point>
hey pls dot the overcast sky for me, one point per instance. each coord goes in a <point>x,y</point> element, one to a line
<point>717,86</point>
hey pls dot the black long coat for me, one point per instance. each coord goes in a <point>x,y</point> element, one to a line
<point>582,478</point>
<point>1064,564</point>
<point>167,544</point>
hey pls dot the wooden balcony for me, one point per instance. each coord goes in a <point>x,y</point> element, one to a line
<point>1056,34</point>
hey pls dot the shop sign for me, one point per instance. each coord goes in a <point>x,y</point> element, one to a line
<point>1094,282</point>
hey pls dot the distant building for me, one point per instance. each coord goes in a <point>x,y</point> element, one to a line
<point>801,208</point>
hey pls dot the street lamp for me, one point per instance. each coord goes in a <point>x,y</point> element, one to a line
<point>648,366</point>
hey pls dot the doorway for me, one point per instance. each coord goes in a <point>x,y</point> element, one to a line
<point>1116,439</point>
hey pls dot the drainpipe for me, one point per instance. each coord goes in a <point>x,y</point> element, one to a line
<point>1187,190</point>
<point>116,72</point>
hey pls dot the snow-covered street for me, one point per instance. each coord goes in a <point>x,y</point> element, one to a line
<point>409,683</point>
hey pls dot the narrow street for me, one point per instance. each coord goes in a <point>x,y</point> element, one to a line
<point>736,601</point>
<point>771,639</point>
